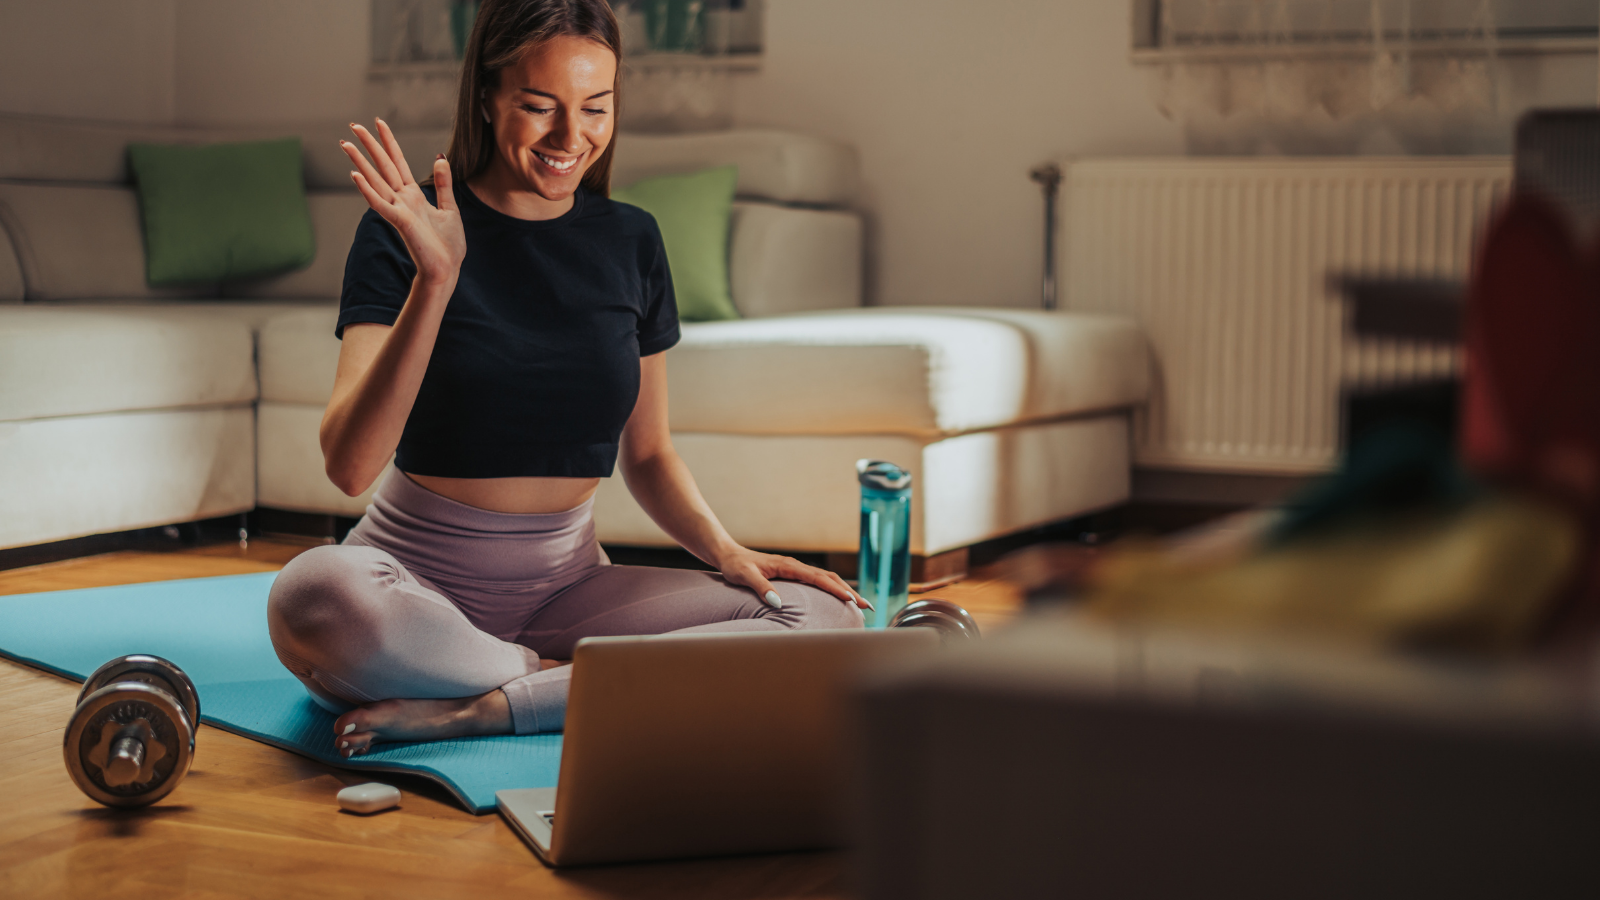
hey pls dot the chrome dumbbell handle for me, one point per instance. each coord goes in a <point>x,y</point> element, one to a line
<point>127,758</point>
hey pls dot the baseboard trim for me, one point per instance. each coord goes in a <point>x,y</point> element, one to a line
<point>927,572</point>
<point>330,528</point>
<point>153,539</point>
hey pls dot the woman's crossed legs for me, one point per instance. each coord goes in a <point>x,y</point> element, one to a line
<point>358,629</point>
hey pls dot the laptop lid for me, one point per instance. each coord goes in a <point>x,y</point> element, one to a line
<point>705,744</point>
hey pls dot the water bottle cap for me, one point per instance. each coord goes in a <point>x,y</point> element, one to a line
<point>883,475</point>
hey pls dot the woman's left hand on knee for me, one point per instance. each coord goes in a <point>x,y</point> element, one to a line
<point>753,570</point>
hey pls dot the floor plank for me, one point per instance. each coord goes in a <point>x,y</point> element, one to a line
<point>254,821</point>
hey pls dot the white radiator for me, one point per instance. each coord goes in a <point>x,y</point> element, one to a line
<point>1225,261</point>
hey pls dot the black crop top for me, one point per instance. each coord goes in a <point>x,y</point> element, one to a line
<point>536,367</point>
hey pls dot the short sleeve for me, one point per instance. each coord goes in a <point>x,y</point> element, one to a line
<point>658,330</point>
<point>377,275</point>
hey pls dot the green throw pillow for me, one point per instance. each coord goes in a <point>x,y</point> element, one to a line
<point>222,212</point>
<point>693,212</point>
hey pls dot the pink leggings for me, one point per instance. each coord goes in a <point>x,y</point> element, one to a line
<point>430,598</point>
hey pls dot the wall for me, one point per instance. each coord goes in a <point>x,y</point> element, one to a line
<point>197,62</point>
<point>89,59</point>
<point>950,105</point>
<point>241,62</point>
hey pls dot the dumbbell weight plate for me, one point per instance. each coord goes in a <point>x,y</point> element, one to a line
<point>154,719</point>
<point>150,670</point>
<point>954,624</point>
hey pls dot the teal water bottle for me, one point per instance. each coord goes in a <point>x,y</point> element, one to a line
<point>884,566</point>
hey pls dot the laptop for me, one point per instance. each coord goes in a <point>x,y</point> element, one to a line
<point>703,745</point>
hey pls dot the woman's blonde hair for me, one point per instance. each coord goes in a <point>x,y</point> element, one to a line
<point>504,31</point>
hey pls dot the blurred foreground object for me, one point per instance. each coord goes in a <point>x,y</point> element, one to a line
<point>1474,580</point>
<point>1531,399</point>
<point>1124,763</point>
<point>1398,549</point>
<point>1389,687</point>
<point>1485,545</point>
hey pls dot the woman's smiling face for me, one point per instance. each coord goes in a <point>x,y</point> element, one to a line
<point>552,114</point>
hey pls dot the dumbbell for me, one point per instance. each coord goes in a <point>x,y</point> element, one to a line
<point>131,738</point>
<point>954,624</point>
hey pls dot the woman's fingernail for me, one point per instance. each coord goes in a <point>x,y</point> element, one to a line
<point>349,728</point>
<point>343,744</point>
<point>773,600</point>
<point>867,603</point>
<point>441,156</point>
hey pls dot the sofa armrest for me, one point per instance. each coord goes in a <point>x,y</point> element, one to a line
<point>785,260</point>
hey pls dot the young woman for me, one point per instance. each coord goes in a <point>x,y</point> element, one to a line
<point>503,334</point>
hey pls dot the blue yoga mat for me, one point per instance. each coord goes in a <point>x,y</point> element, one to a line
<point>216,630</point>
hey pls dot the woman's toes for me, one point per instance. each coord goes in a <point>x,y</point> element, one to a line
<point>355,744</point>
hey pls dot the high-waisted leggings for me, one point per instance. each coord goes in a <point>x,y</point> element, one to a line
<point>431,598</point>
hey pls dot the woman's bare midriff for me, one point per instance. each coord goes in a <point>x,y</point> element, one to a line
<point>512,495</point>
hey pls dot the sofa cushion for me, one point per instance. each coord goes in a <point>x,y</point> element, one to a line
<point>693,213</point>
<point>45,149</point>
<point>77,243</point>
<point>890,370</point>
<point>81,243</point>
<point>289,468</point>
<point>298,356</point>
<point>253,314</point>
<point>773,165</point>
<point>222,212</point>
<point>799,492</point>
<point>784,260</point>
<point>334,217</point>
<point>780,259</point>
<point>903,370</point>
<point>73,360</point>
<point>38,148</point>
<point>75,475</point>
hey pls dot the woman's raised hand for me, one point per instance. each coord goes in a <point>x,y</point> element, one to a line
<point>433,235</point>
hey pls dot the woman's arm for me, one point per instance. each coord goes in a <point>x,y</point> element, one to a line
<point>381,367</point>
<point>380,372</point>
<point>662,484</point>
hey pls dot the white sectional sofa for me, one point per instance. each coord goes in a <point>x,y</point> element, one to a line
<point>123,406</point>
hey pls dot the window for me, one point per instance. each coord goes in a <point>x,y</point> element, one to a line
<point>424,31</point>
<point>1189,27</point>
<point>704,27</point>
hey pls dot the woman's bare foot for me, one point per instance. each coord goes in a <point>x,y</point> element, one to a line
<point>421,720</point>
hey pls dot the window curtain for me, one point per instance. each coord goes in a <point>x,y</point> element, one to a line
<point>1324,75</point>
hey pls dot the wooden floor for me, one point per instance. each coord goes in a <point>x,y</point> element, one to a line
<point>254,821</point>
